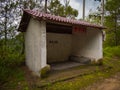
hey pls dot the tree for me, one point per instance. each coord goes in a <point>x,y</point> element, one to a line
<point>11,45</point>
<point>56,8</point>
<point>7,25</point>
<point>112,22</point>
<point>10,16</point>
<point>94,17</point>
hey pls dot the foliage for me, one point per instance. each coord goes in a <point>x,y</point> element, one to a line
<point>112,51</point>
<point>10,15</point>
<point>94,18</point>
<point>66,10</point>
<point>7,25</point>
<point>12,78</point>
<point>10,57</point>
<point>11,41</point>
<point>109,61</point>
<point>112,22</point>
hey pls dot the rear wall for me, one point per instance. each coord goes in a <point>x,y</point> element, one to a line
<point>59,47</point>
<point>88,44</point>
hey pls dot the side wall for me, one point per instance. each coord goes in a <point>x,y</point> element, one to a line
<point>35,45</point>
<point>88,44</point>
<point>59,47</point>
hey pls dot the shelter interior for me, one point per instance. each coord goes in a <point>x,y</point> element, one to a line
<point>69,43</point>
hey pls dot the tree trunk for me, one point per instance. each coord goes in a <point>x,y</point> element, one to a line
<point>5,26</point>
<point>23,45</point>
<point>45,6</point>
<point>116,43</point>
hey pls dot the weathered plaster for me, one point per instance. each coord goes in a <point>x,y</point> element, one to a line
<point>59,47</point>
<point>88,44</point>
<point>35,45</point>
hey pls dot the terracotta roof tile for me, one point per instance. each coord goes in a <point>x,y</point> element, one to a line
<point>40,15</point>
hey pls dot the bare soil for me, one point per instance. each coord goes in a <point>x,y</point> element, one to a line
<point>112,83</point>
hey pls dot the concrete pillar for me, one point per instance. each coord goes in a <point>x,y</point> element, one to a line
<point>35,45</point>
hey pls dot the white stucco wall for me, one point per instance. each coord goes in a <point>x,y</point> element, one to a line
<point>88,44</point>
<point>35,45</point>
<point>59,47</point>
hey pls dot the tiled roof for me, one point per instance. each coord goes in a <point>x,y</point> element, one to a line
<point>49,17</point>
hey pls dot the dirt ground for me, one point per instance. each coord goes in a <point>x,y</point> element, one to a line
<point>112,83</point>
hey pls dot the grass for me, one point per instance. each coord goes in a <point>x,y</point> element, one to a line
<point>111,60</point>
<point>82,81</point>
<point>14,77</point>
<point>14,80</point>
<point>77,83</point>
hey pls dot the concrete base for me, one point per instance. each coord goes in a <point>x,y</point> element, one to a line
<point>64,65</point>
<point>83,60</point>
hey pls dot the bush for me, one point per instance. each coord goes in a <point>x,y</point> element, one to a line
<point>4,73</point>
<point>112,51</point>
<point>109,53</point>
<point>9,60</point>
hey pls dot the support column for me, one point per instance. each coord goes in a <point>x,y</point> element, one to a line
<point>35,45</point>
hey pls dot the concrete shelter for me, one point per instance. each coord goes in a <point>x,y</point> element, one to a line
<point>53,39</point>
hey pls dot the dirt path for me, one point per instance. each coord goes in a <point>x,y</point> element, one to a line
<point>112,83</point>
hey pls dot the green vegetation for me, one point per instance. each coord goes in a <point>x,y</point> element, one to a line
<point>44,71</point>
<point>66,10</point>
<point>111,61</point>
<point>12,73</point>
<point>10,58</point>
<point>12,42</point>
<point>12,77</point>
<point>79,82</point>
<point>112,23</point>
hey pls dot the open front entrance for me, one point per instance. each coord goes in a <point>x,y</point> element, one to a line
<point>72,44</point>
<point>61,50</point>
<point>67,39</point>
<point>59,43</point>
<point>59,47</point>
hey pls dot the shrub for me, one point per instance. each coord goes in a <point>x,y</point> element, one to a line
<point>112,51</point>
<point>9,60</point>
<point>109,53</point>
